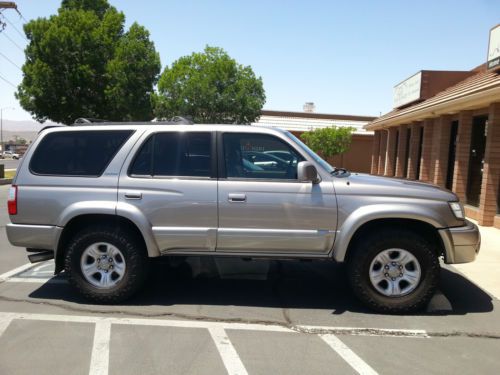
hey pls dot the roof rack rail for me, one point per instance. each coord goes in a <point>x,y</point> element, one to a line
<point>176,120</point>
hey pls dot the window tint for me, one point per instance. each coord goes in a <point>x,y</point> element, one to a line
<point>77,153</point>
<point>259,156</point>
<point>174,154</point>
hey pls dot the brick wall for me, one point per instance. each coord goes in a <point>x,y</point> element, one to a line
<point>425,161</point>
<point>401,152</point>
<point>414,147</point>
<point>382,152</point>
<point>375,152</point>
<point>440,149</point>
<point>461,169</point>
<point>391,151</point>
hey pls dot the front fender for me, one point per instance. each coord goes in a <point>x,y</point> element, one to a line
<point>368,213</point>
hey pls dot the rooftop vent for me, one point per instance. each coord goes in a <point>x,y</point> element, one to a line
<point>309,107</point>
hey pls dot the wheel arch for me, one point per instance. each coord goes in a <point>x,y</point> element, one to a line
<point>77,223</point>
<point>421,227</point>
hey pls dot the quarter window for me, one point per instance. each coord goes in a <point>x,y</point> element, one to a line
<point>259,156</point>
<point>77,153</point>
<point>174,154</point>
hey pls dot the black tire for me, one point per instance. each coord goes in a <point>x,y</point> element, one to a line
<point>365,251</point>
<point>135,257</point>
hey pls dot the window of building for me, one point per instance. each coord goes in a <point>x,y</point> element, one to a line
<point>77,153</point>
<point>476,160</point>
<point>259,156</point>
<point>174,154</point>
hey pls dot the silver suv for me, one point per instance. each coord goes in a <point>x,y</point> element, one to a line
<point>102,199</point>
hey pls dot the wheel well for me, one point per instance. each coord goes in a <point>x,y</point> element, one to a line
<point>78,223</point>
<point>424,229</point>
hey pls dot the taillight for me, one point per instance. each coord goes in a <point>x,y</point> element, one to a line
<point>12,200</point>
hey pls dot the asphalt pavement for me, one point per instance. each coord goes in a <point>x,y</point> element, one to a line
<point>10,163</point>
<point>219,316</point>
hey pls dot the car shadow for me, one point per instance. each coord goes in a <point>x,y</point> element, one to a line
<point>263,283</point>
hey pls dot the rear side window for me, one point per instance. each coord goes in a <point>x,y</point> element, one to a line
<point>174,154</point>
<point>77,153</point>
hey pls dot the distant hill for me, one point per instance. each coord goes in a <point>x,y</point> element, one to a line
<point>23,129</point>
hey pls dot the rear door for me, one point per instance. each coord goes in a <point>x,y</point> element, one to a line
<point>263,208</point>
<point>171,180</point>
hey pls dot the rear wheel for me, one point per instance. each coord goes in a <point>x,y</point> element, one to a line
<point>394,271</point>
<point>106,265</point>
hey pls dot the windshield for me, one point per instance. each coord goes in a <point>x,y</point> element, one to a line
<point>311,153</point>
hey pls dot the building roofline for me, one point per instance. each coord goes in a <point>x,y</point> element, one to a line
<point>314,115</point>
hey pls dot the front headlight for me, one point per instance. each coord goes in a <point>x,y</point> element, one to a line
<point>457,209</point>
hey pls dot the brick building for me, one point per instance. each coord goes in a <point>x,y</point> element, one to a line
<point>357,158</point>
<point>445,129</point>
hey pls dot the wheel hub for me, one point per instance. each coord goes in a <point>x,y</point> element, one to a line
<point>395,272</point>
<point>103,265</point>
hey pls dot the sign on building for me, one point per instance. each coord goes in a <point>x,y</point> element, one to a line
<point>408,91</point>
<point>494,48</point>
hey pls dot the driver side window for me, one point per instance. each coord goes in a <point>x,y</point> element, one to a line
<point>259,156</point>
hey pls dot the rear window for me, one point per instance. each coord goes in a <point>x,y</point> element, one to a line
<point>78,153</point>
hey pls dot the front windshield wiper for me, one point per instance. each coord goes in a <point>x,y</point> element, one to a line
<point>338,171</point>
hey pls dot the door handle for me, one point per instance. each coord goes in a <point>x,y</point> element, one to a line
<point>234,197</point>
<point>130,195</point>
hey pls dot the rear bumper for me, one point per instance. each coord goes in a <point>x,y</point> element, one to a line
<point>461,244</point>
<point>43,237</point>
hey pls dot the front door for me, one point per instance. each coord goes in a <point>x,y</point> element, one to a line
<point>263,208</point>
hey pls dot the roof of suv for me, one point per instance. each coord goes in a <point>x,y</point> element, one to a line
<point>163,127</point>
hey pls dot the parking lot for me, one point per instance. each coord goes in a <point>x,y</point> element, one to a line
<point>208,316</point>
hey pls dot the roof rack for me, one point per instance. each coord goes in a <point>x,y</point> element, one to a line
<point>177,120</point>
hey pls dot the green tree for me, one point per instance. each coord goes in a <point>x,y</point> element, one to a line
<point>329,141</point>
<point>81,63</point>
<point>210,87</point>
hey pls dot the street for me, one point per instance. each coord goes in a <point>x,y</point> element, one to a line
<point>208,316</point>
<point>10,163</point>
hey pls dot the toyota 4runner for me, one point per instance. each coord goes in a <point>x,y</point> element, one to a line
<point>101,199</point>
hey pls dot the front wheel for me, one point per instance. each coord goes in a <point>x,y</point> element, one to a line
<point>106,265</point>
<point>394,271</point>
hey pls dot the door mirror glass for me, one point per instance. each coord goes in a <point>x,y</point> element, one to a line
<point>307,172</point>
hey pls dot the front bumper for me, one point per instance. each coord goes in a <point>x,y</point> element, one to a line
<point>43,237</point>
<point>461,244</point>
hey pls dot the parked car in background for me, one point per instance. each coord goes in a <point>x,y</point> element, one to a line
<point>9,155</point>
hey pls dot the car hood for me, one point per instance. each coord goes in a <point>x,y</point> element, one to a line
<point>365,184</point>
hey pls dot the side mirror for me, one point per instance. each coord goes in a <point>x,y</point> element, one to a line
<point>306,172</point>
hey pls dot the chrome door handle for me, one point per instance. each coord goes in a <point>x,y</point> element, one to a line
<point>130,195</point>
<point>237,198</point>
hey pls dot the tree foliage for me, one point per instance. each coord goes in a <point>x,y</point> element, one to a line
<point>329,141</point>
<point>210,87</point>
<point>81,63</point>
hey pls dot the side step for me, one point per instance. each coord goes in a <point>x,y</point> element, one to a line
<point>40,255</point>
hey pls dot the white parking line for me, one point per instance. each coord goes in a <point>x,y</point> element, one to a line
<point>360,366</point>
<point>4,322</point>
<point>15,271</point>
<point>99,361</point>
<point>228,353</point>
<point>36,280</point>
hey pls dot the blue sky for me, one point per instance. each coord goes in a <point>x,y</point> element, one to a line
<point>343,56</point>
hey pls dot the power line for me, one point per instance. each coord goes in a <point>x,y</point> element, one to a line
<point>14,27</point>
<point>12,62</point>
<point>7,81</point>
<point>12,41</point>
